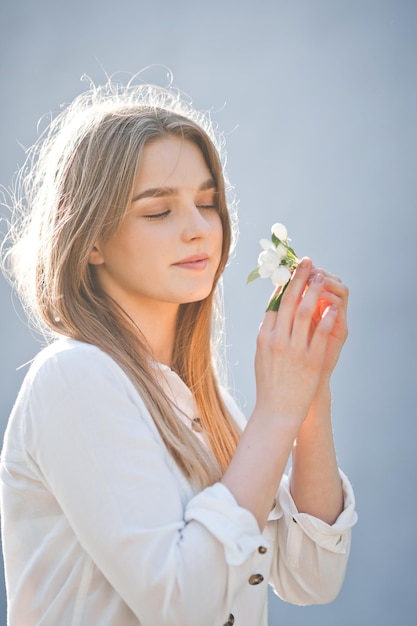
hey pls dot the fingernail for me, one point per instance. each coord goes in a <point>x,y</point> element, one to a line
<point>304,263</point>
<point>318,279</point>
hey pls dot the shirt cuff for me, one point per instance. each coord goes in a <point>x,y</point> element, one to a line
<point>334,537</point>
<point>233,526</point>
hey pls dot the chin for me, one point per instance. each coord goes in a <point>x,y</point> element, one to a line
<point>198,297</point>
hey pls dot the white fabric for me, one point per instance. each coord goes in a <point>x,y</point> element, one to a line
<point>100,528</point>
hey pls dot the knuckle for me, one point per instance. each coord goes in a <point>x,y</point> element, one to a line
<point>278,344</point>
<point>273,342</point>
<point>261,339</point>
<point>304,310</point>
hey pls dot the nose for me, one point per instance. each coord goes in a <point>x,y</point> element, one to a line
<point>196,223</point>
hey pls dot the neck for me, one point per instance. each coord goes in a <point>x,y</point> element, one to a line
<point>159,329</point>
<point>157,324</point>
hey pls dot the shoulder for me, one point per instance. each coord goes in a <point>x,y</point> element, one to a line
<point>71,384</point>
<point>68,350</point>
<point>70,354</point>
<point>67,363</point>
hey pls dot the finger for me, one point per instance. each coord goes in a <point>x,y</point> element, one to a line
<point>270,316</point>
<point>322,331</point>
<point>306,311</point>
<point>320,270</point>
<point>269,321</point>
<point>326,300</point>
<point>334,285</point>
<point>292,296</point>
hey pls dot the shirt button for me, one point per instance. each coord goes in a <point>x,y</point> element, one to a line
<point>255,579</point>
<point>196,425</point>
<point>262,550</point>
<point>230,621</point>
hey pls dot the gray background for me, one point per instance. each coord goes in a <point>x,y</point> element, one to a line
<point>318,103</point>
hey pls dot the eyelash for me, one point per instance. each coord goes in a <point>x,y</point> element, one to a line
<point>157,216</point>
<point>163,214</point>
<point>207,206</point>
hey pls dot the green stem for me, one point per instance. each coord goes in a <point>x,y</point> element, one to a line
<point>275,302</point>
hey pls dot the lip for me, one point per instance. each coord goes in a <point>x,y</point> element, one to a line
<point>194,262</point>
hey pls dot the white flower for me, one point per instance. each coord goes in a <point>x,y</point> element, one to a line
<point>270,259</point>
<point>281,276</point>
<point>268,262</point>
<point>276,261</point>
<point>280,231</point>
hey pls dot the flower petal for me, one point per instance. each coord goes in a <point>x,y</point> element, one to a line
<point>269,258</point>
<point>281,276</point>
<point>281,251</point>
<point>280,231</point>
<point>265,272</point>
<point>266,244</point>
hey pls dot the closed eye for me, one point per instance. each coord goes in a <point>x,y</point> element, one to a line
<point>207,206</point>
<point>157,216</point>
<point>207,200</point>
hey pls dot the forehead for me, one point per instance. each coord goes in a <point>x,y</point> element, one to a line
<point>171,161</point>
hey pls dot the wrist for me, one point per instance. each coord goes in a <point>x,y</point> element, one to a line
<point>276,421</point>
<point>323,388</point>
<point>320,408</point>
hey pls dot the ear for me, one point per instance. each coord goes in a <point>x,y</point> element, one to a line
<point>95,257</point>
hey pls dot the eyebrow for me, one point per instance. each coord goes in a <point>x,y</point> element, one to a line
<point>163,192</point>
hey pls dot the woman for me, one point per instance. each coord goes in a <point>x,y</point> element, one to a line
<point>132,490</point>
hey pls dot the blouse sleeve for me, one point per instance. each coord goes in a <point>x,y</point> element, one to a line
<point>91,440</point>
<point>310,556</point>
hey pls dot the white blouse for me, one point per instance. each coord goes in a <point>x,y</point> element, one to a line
<point>101,528</point>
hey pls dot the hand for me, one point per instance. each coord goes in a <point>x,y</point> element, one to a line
<point>292,346</point>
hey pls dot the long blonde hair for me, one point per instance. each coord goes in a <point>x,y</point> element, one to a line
<point>74,189</point>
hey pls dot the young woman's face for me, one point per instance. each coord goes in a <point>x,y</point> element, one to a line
<point>168,247</point>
